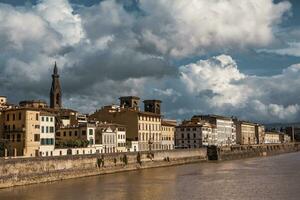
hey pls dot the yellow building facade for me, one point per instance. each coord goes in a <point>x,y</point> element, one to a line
<point>168,134</point>
<point>141,126</point>
<point>21,132</point>
<point>245,133</point>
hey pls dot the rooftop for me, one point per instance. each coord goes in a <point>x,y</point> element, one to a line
<point>130,97</point>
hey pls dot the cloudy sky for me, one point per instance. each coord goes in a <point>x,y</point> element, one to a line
<point>229,57</point>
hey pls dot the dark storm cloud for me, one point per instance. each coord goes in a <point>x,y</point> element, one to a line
<point>106,49</point>
<point>103,66</point>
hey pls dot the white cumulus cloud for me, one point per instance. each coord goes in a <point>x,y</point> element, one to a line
<point>219,86</point>
<point>182,28</point>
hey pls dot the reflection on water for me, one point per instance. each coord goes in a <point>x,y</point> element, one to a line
<point>275,177</point>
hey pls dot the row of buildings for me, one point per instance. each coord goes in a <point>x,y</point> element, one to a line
<point>32,128</point>
<point>206,130</point>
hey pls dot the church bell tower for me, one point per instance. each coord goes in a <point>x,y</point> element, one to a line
<point>55,92</point>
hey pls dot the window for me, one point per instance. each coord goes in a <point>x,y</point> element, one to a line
<point>7,117</point>
<point>65,133</point>
<point>48,141</point>
<point>91,141</point>
<point>51,119</point>
<point>75,133</point>
<point>47,119</point>
<point>36,137</point>
<point>70,133</point>
<point>90,131</point>
<point>42,141</point>
<point>58,134</point>
<point>42,119</point>
<point>14,117</point>
<point>18,137</point>
<point>37,117</point>
<point>182,135</point>
<point>43,129</point>
<point>51,129</point>
<point>83,132</point>
<point>194,135</point>
<point>20,116</point>
<point>47,129</point>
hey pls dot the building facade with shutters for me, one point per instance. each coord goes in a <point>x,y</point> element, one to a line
<point>47,134</point>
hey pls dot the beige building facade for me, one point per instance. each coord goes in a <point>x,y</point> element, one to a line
<point>272,138</point>
<point>141,126</point>
<point>168,134</point>
<point>260,133</point>
<point>245,133</point>
<point>21,131</point>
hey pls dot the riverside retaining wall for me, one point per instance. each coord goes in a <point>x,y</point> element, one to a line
<point>247,151</point>
<point>22,171</point>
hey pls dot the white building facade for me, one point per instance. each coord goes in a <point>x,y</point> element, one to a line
<point>107,136</point>
<point>121,138</point>
<point>225,127</point>
<point>272,138</point>
<point>47,134</point>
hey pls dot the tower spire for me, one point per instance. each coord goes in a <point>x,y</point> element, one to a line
<point>55,92</point>
<point>55,69</point>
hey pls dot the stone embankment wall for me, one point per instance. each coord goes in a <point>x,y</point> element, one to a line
<point>245,151</point>
<point>22,171</point>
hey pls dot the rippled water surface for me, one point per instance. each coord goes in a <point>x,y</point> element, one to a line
<point>276,177</point>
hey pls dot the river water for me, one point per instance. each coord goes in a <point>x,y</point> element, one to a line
<point>276,177</point>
